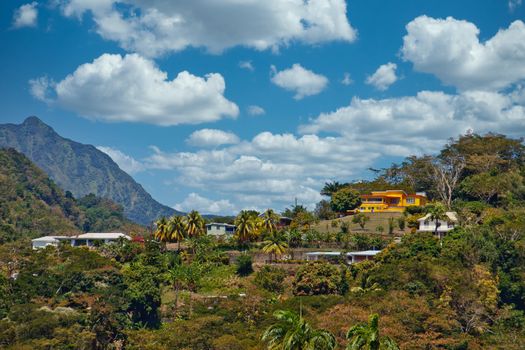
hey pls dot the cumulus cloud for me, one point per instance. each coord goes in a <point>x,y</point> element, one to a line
<point>422,123</point>
<point>125,162</point>
<point>302,81</point>
<point>383,77</point>
<point>26,15</point>
<point>196,202</point>
<point>347,80</point>
<point>450,49</point>
<point>247,65</point>
<point>212,137</point>
<point>256,110</point>
<point>157,27</point>
<point>133,89</point>
<point>513,4</point>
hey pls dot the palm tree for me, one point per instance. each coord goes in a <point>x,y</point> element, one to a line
<point>177,229</point>
<point>269,221</point>
<point>437,213</point>
<point>332,187</point>
<point>161,230</point>
<point>275,244</point>
<point>292,332</point>
<point>195,224</point>
<point>366,336</point>
<point>246,226</point>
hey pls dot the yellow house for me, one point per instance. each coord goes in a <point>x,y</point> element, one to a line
<point>390,201</point>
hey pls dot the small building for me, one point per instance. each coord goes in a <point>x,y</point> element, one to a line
<point>45,241</point>
<point>93,238</point>
<point>443,226</point>
<point>390,201</point>
<point>355,257</point>
<point>351,257</point>
<point>219,229</point>
<point>86,239</point>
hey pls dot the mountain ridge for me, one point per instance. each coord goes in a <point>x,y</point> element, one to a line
<point>81,169</point>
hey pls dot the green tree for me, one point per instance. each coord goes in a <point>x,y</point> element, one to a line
<point>437,213</point>
<point>177,229</point>
<point>345,199</point>
<point>246,226</point>
<point>366,337</point>
<point>317,278</point>
<point>161,230</point>
<point>270,278</point>
<point>269,221</point>
<point>195,224</point>
<point>244,265</point>
<point>360,219</point>
<point>401,221</point>
<point>332,187</point>
<point>324,211</point>
<point>275,244</point>
<point>292,332</point>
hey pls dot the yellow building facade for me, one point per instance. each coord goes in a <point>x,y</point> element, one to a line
<point>390,201</point>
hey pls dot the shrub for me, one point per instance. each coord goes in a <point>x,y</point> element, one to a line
<point>317,278</point>
<point>271,278</point>
<point>401,221</point>
<point>244,265</point>
<point>345,227</point>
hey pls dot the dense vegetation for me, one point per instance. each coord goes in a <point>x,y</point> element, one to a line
<point>464,291</point>
<point>81,169</point>
<point>31,205</point>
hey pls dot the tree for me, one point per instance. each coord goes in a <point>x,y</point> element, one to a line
<point>391,226</point>
<point>246,226</point>
<point>345,199</point>
<point>401,221</point>
<point>324,211</point>
<point>292,332</point>
<point>360,219</point>
<point>437,213</point>
<point>366,337</point>
<point>332,187</point>
<point>161,230</point>
<point>269,221</point>
<point>446,173</point>
<point>317,278</point>
<point>177,229</point>
<point>244,265</point>
<point>275,244</point>
<point>195,224</point>
<point>271,278</point>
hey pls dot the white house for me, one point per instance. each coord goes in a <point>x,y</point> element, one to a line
<point>351,257</point>
<point>43,242</point>
<point>219,229</point>
<point>443,226</point>
<point>86,239</point>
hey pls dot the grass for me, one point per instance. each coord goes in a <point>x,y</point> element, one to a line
<point>376,219</point>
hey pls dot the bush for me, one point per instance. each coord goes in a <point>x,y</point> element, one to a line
<point>271,278</point>
<point>317,278</point>
<point>345,227</point>
<point>244,265</point>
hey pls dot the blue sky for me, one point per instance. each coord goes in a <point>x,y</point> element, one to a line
<point>224,105</point>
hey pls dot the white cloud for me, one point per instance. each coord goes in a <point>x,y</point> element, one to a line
<point>422,123</point>
<point>40,88</point>
<point>26,15</point>
<point>134,89</point>
<point>156,27</point>
<point>204,205</point>
<point>247,65</point>
<point>302,81</point>
<point>450,49</point>
<point>383,77</point>
<point>125,162</point>
<point>347,80</point>
<point>256,110</point>
<point>513,4</point>
<point>212,137</point>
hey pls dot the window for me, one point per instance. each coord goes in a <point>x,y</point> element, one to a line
<point>411,200</point>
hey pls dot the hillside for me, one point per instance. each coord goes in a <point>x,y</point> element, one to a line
<point>376,220</point>
<point>32,205</point>
<point>81,169</point>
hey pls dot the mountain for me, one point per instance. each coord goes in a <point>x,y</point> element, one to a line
<point>33,205</point>
<point>81,169</point>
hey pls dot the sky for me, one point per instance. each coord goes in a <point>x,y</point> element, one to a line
<point>242,104</point>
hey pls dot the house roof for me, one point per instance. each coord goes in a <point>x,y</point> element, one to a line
<point>452,216</point>
<point>102,235</point>
<point>51,239</point>
<point>364,253</point>
<point>220,224</point>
